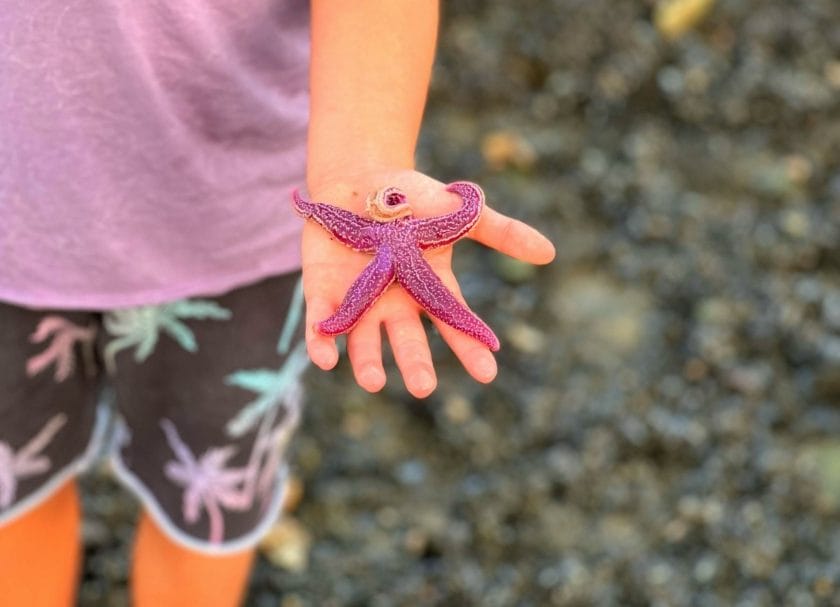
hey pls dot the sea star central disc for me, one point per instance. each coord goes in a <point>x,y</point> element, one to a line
<point>396,239</point>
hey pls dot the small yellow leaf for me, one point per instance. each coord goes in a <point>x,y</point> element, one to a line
<point>293,495</point>
<point>287,545</point>
<point>673,18</point>
<point>507,148</point>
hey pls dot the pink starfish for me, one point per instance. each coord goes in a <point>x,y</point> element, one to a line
<point>397,240</point>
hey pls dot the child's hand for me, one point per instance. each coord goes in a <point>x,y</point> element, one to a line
<point>329,268</point>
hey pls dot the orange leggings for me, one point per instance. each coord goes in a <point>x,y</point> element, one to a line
<point>40,557</point>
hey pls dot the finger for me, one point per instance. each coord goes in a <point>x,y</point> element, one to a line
<point>411,351</point>
<point>512,237</point>
<point>364,347</point>
<point>476,358</point>
<point>321,348</point>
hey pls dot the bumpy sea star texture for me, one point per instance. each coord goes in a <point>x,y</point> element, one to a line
<point>396,239</point>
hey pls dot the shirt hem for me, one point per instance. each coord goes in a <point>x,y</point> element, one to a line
<point>205,287</point>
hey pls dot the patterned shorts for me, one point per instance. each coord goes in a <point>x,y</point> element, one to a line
<point>193,402</point>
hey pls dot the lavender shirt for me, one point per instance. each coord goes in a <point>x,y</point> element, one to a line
<point>148,147</point>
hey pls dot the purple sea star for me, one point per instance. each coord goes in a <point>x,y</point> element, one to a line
<point>397,240</point>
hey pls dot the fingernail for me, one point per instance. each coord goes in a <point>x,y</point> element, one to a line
<point>423,382</point>
<point>324,355</point>
<point>487,368</point>
<point>372,377</point>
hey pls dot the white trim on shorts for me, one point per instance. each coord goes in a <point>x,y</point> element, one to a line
<point>76,467</point>
<point>245,542</point>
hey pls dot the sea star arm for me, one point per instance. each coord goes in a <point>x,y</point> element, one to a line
<point>356,232</point>
<point>417,277</point>
<point>446,229</point>
<point>362,294</point>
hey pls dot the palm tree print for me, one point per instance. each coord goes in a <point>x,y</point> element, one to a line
<point>140,327</point>
<point>27,461</point>
<point>207,482</point>
<point>64,334</point>
<point>272,386</point>
<point>273,444</point>
<point>292,319</point>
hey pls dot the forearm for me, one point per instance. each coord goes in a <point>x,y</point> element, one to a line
<point>370,69</point>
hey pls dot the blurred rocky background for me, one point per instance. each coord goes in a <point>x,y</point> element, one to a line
<point>665,428</point>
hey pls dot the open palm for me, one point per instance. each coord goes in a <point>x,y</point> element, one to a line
<point>329,268</point>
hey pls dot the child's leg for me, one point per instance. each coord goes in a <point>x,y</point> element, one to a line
<point>40,553</point>
<point>164,573</point>
<point>48,392</point>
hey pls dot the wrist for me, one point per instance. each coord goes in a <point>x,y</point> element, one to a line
<point>348,184</point>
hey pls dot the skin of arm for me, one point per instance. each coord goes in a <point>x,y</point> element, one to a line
<point>370,68</point>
